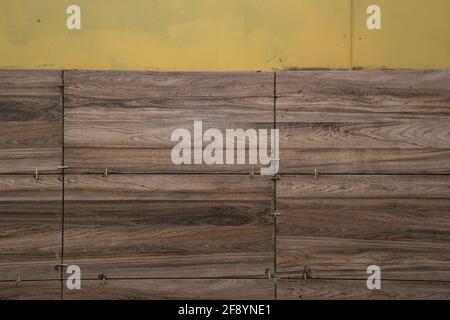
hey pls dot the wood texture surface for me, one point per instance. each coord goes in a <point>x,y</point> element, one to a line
<point>380,141</point>
<point>337,226</point>
<point>295,289</point>
<point>175,289</point>
<point>392,122</point>
<point>171,226</point>
<point>364,186</point>
<point>133,114</point>
<point>30,227</point>
<point>30,121</point>
<point>31,290</point>
<point>367,161</point>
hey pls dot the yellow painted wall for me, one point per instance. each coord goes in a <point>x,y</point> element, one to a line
<point>224,34</point>
<point>414,34</point>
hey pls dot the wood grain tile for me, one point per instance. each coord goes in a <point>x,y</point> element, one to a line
<point>336,226</point>
<point>30,121</point>
<point>30,227</point>
<point>31,290</point>
<point>364,186</point>
<point>380,141</point>
<point>135,113</point>
<point>364,121</point>
<point>296,289</point>
<point>172,226</point>
<point>174,289</point>
<point>367,161</point>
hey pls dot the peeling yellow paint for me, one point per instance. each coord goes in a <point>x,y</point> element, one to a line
<point>221,35</point>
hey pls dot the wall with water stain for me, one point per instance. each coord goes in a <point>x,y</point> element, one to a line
<point>224,35</point>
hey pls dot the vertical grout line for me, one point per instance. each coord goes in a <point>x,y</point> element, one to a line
<point>63,184</point>
<point>275,188</point>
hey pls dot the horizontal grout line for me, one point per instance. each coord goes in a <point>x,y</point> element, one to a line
<point>361,279</point>
<point>162,98</point>
<point>31,173</point>
<point>353,69</point>
<point>29,280</point>
<point>138,278</point>
<point>230,278</point>
<point>78,70</point>
<point>167,173</point>
<point>175,278</point>
<point>212,72</point>
<point>159,148</point>
<point>281,174</point>
<point>281,198</point>
<point>69,171</point>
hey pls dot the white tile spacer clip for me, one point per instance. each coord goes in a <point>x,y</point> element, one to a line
<point>60,266</point>
<point>102,277</point>
<point>306,273</point>
<point>106,173</point>
<point>19,280</point>
<point>272,276</point>
<point>36,175</point>
<point>316,174</point>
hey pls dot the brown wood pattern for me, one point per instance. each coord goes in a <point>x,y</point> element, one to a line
<point>391,126</point>
<point>364,186</point>
<point>175,289</point>
<point>369,161</point>
<point>134,113</point>
<point>31,290</point>
<point>295,289</point>
<point>117,160</point>
<point>336,226</point>
<point>364,121</point>
<point>30,227</point>
<point>30,121</point>
<point>171,226</point>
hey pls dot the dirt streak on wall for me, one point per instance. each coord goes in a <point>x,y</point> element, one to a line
<point>224,35</point>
